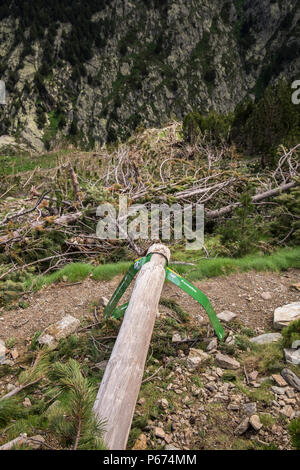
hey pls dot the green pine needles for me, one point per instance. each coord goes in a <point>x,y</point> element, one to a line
<point>294,428</point>
<point>71,417</point>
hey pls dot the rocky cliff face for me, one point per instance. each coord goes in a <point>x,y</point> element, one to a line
<point>96,72</point>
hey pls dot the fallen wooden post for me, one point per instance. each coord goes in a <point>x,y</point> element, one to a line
<point>119,389</point>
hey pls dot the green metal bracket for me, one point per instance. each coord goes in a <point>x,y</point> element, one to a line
<point>134,268</point>
<point>117,312</point>
<point>196,293</point>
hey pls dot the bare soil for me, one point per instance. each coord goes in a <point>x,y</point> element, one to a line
<point>239,293</point>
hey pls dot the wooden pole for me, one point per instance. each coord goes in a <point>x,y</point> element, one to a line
<point>119,389</point>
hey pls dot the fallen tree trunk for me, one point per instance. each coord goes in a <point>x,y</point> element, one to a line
<point>119,389</point>
<point>35,441</point>
<point>74,180</point>
<point>19,389</point>
<point>62,220</point>
<point>258,197</point>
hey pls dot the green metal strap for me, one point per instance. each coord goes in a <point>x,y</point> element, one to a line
<point>120,311</point>
<point>194,292</point>
<point>134,268</point>
<point>117,312</point>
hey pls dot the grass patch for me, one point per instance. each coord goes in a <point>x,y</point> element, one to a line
<point>107,272</point>
<point>266,358</point>
<point>14,164</point>
<point>205,268</point>
<point>258,394</point>
<point>267,420</point>
<point>75,272</point>
<point>10,342</point>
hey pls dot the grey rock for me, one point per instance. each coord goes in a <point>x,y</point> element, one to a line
<point>233,407</point>
<point>275,403</point>
<point>221,397</point>
<point>255,384</point>
<point>103,302</point>
<point>266,295</point>
<point>226,316</point>
<point>266,338</point>
<point>278,390</point>
<point>296,344</point>
<point>200,319</point>
<point>292,356</point>
<point>171,447</point>
<point>230,340</point>
<point>159,432</point>
<point>227,362</point>
<point>249,409</point>
<point>262,380</point>
<point>290,393</point>
<point>61,329</point>
<point>212,344</point>
<point>279,380</point>
<point>283,316</point>
<point>176,338</point>
<point>288,411</point>
<point>242,427</point>
<point>196,357</point>
<point>291,378</point>
<point>211,387</point>
<point>47,340</point>
<point>164,403</point>
<point>196,391</point>
<point>253,375</point>
<point>8,362</point>
<point>255,422</point>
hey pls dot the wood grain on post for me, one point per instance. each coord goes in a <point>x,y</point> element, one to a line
<point>119,389</point>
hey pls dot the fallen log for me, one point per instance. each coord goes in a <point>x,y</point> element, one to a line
<point>35,441</point>
<point>119,389</point>
<point>62,220</point>
<point>258,197</point>
<point>8,218</point>
<point>19,389</point>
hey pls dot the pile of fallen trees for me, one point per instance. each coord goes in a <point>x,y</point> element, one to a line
<point>163,171</point>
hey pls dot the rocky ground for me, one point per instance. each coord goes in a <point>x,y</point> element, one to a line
<point>202,395</point>
<point>217,414</point>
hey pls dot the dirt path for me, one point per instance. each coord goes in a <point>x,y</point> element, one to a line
<point>239,293</point>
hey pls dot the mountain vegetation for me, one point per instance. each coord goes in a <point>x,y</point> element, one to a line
<point>160,102</point>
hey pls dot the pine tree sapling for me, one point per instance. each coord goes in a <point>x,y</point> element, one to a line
<point>291,333</point>
<point>294,428</point>
<point>71,417</point>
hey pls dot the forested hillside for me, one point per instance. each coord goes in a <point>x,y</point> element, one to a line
<point>92,72</point>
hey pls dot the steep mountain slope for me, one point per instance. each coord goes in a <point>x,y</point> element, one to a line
<point>96,70</point>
